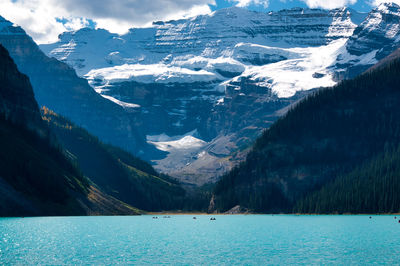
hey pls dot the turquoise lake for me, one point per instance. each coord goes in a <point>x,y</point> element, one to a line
<point>237,239</point>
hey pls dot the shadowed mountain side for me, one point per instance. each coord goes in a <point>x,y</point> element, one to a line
<point>116,171</point>
<point>36,177</point>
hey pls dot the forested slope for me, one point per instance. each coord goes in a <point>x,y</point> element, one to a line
<point>325,136</point>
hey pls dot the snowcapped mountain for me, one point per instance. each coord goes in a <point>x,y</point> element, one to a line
<point>374,39</point>
<point>56,85</point>
<point>208,48</point>
<point>205,87</point>
<point>207,35</point>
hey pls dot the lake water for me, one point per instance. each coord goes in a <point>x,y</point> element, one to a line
<point>237,239</point>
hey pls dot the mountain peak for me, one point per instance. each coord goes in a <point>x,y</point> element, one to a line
<point>389,8</point>
<point>3,20</point>
<point>4,23</point>
<point>86,33</point>
<point>8,28</point>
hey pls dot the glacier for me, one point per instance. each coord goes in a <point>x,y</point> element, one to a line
<point>228,75</point>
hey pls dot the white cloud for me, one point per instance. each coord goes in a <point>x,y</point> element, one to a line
<point>245,3</point>
<point>76,23</point>
<point>41,18</point>
<point>328,4</point>
<point>35,20</point>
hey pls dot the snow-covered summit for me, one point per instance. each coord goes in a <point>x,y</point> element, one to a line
<point>375,38</point>
<point>230,45</point>
<point>388,7</point>
<point>281,52</point>
<point>206,35</point>
<point>380,27</point>
<point>229,72</point>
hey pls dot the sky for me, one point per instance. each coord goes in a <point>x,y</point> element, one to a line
<point>44,20</point>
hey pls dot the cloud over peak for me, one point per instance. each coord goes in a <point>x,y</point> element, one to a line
<point>329,4</point>
<point>245,3</point>
<point>44,20</point>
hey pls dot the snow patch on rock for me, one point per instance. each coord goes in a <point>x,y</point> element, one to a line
<point>121,103</point>
<point>149,74</point>
<point>166,143</point>
<point>287,77</point>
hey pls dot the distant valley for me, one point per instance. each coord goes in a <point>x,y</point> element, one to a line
<point>234,111</point>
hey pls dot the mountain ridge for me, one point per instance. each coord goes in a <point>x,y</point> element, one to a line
<point>189,75</point>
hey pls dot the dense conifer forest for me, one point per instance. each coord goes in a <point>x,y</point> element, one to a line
<point>373,187</point>
<point>326,143</point>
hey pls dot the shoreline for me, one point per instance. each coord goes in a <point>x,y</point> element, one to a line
<point>213,214</point>
<point>271,214</point>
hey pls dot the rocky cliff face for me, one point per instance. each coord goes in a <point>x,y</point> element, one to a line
<point>374,39</point>
<point>379,32</point>
<point>17,102</point>
<point>208,35</point>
